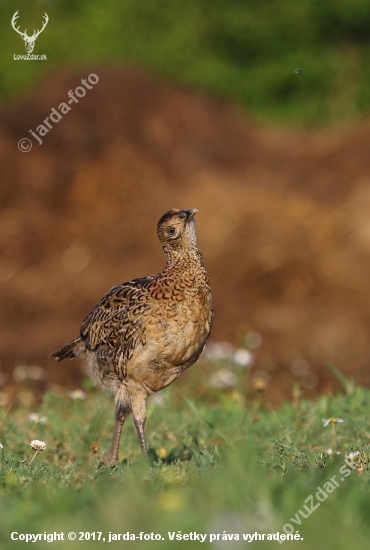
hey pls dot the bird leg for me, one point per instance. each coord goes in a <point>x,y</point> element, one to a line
<point>139,414</point>
<point>139,425</point>
<point>121,415</point>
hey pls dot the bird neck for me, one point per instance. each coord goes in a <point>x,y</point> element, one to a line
<point>184,261</point>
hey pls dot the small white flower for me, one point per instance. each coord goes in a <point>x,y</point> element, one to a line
<point>222,379</point>
<point>37,418</point>
<point>1,446</point>
<point>38,445</point>
<point>330,452</point>
<point>352,456</point>
<point>243,357</point>
<point>217,351</point>
<point>327,421</point>
<point>77,394</point>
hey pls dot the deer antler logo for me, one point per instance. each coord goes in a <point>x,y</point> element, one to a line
<point>29,41</point>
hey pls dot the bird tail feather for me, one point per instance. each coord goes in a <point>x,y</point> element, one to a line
<point>74,348</point>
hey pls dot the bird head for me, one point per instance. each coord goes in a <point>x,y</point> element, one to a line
<point>176,230</point>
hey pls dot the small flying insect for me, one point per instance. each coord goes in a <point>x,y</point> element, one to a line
<point>298,71</point>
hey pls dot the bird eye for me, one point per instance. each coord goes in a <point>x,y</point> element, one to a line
<point>171,230</point>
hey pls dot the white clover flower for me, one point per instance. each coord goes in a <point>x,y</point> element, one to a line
<point>243,357</point>
<point>327,421</point>
<point>38,445</point>
<point>77,394</point>
<point>37,418</point>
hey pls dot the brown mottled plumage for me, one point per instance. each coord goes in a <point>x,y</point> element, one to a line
<point>144,333</point>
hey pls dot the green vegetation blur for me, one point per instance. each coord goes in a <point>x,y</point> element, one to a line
<point>243,50</point>
<point>227,465</point>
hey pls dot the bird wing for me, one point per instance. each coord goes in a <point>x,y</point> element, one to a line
<point>116,322</point>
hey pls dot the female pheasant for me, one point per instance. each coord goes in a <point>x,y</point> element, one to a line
<point>144,333</point>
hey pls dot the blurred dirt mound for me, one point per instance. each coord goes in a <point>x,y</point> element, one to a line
<point>284,223</point>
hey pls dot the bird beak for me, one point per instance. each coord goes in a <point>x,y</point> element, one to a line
<point>191,213</point>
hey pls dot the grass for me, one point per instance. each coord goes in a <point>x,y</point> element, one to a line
<point>217,464</point>
<point>244,51</point>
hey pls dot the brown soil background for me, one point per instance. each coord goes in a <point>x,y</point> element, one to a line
<point>284,224</point>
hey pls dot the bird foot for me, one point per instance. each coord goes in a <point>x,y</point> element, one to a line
<point>109,460</point>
